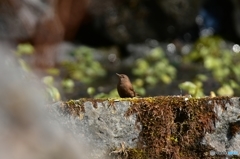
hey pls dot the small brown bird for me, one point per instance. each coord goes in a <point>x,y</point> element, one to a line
<point>124,87</point>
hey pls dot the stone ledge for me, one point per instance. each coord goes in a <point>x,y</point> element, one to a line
<point>155,127</point>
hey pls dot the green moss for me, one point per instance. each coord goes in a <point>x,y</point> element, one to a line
<point>135,153</point>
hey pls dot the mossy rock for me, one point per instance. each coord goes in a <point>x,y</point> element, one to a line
<point>158,127</point>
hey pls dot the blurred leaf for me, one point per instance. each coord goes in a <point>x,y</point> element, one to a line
<point>160,66</point>
<point>212,63</point>
<point>53,71</point>
<point>187,85</point>
<point>67,83</point>
<point>91,91</point>
<point>138,82</point>
<point>204,51</point>
<point>225,90</point>
<point>77,75</point>
<point>171,71</point>
<point>234,84</point>
<point>101,95</point>
<point>25,49</point>
<point>194,89</point>
<point>221,73</point>
<point>48,80</point>
<point>198,84</point>
<point>53,93</point>
<point>166,79</point>
<point>194,55</point>
<point>141,91</point>
<point>141,67</point>
<point>236,71</point>
<point>113,93</point>
<point>156,54</point>
<point>201,77</point>
<point>151,80</point>
<point>227,58</point>
<point>89,71</point>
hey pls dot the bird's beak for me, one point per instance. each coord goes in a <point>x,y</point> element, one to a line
<point>118,75</point>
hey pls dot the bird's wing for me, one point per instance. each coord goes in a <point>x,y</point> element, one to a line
<point>131,88</point>
<point>133,91</point>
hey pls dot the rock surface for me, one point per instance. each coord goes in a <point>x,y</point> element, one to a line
<point>105,124</point>
<point>222,140</point>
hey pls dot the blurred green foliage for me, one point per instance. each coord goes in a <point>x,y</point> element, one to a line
<point>53,93</point>
<point>152,69</point>
<point>68,85</point>
<point>211,55</point>
<point>194,89</point>
<point>84,67</point>
<point>221,61</point>
<point>112,94</point>
<point>91,91</point>
<point>24,50</point>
